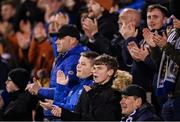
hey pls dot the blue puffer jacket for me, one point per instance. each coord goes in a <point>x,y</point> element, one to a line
<point>67,63</point>
<point>68,98</point>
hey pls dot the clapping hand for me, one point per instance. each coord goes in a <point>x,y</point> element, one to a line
<point>61,78</point>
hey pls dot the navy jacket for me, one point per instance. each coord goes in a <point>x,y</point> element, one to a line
<point>4,69</point>
<point>145,113</point>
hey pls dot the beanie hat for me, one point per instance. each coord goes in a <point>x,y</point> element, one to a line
<point>135,90</point>
<point>20,77</point>
<point>107,4</point>
<point>68,30</point>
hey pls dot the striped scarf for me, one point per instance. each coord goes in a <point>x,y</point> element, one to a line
<point>168,69</point>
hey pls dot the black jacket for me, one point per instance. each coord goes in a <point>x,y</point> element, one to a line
<point>107,27</point>
<point>100,103</point>
<point>20,107</point>
<point>4,69</point>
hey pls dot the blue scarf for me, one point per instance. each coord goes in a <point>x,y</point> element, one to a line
<point>168,69</point>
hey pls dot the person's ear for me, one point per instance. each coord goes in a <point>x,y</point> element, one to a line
<point>138,102</point>
<point>73,41</point>
<point>102,9</point>
<point>111,72</point>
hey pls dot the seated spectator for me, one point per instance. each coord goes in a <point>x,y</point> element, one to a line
<point>21,102</point>
<point>135,106</point>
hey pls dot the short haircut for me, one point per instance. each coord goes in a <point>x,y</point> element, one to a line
<point>107,60</point>
<point>163,9</point>
<point>90,55</point>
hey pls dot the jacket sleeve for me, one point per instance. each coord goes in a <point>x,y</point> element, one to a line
<point>156,54</point>
<point>46,93</point>
<point>101,44</point>
<point>60,95</point>
<point>173,53</point>
<point>79,111</point>
<point>125,53</point>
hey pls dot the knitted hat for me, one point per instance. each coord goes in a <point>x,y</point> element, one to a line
<point>135,90</point>
<point>20,77</point>
<point>107,4</point>
<point>68,30</point>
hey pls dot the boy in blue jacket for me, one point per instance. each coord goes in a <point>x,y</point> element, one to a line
<point>66,97</point>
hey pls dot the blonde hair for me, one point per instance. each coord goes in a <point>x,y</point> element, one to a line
<point>122,80</point>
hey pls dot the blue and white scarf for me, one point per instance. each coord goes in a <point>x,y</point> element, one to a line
<point>168,69</point>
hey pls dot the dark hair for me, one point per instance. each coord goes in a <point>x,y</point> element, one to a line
<point>107,60</point>
<point>163,9</point>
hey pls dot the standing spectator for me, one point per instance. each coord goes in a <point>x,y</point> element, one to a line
<point>129,29</point>
<point>100,25</point>
<point>156,20</point>
<point>40,54</point>
<point>135,49</point>
<point>168,75</point>
<point>8,11</point>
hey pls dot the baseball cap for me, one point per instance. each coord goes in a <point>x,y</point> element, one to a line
<point>135,90</point>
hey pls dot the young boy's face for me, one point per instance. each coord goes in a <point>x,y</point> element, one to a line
<point>101,74</point>
<point>84,67</point>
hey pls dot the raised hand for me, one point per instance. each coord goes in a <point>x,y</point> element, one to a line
<point>138,54</point>
<point>62,19</point>
<point>160,40</point>
<point>148,37</point>
<point>34,87</point>
<point>23,40</point>
<point>61,78</point>
<point>176,22</point>
<point>128,30</point>
<point>58,20</point>
<point>90,27</point>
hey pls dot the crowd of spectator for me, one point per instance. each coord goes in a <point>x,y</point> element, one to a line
<point>89,60</point>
